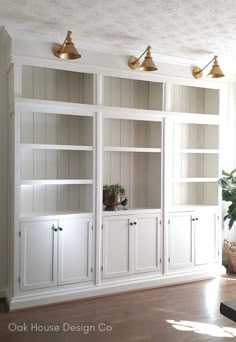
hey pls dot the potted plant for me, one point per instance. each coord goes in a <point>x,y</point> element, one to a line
<point>228,185</point>
<point>113,196</point>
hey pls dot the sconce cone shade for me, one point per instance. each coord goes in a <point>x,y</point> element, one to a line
<point>67,50</point>
<point>147,65</point>
<point>215,70</point>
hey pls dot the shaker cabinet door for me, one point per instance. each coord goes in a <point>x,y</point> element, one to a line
<point>38,254</point>
<point>116,247</point>
<point>75,251</point>
<point>147,244</point>
<point>180,240</point>
<point>205,238</point>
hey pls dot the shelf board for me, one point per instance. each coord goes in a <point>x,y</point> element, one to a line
<point>129,211</point>
<point>54,214</point>
<point>191,207</point>
<point>56,147</point>
<point>56,181</point>
<point>131,149</point>
<point>195,180</point>
<point>197,150</point>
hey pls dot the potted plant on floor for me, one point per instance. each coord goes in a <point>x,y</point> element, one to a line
<point>113,196</point>
<point>228,185</point>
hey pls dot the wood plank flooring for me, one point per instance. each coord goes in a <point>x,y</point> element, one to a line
<point>182,313</point>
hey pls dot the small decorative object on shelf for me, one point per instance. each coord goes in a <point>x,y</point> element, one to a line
<point>113,196</point>
<point>124,203</point>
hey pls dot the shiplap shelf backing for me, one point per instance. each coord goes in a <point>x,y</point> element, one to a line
<point>128,93</point>
<point>52,129</point>
<point>55,164</point>
<point>132,157</point>
<point>57,198</point>
<point>187,99</point>
<point>195,193</point>
<point>57,85</point>
<point>194,165</point>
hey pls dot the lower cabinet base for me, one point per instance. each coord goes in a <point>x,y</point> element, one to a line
<point>25,300</point>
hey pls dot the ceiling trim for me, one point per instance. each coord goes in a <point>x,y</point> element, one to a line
<point>20,35</point>
<point>98,47</point>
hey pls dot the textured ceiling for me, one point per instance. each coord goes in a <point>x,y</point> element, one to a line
<point>178,28</point>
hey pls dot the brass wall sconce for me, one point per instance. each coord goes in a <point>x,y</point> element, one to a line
<point>215,71</point>
<point>67,50</point>
<point>147,65</point>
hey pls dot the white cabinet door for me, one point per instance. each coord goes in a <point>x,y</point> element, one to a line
<point>147,243</point>
<point>75,251</point>
<point>38,254</point>
<point>116,247</point>
<point>205,237</point>
<point>180,240</point>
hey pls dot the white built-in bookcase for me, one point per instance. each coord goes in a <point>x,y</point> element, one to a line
<point>73,132</point>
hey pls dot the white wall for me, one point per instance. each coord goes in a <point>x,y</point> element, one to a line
<point>4,40</point>
<point>3,184</point>
<point>228,160</point>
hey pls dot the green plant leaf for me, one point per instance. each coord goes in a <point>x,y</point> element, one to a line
<point>232,172</point>
<point>228,185</point>
<point>224,173</point>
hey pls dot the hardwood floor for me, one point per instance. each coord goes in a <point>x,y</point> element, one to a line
<point>150,315</point>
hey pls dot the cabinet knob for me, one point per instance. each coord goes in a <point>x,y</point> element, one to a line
<point>135,223</point>
<point>55,229</point>
<point>131,223</point>
<point>60,229</point>
<point>193,219</point>
<point>196,219</point>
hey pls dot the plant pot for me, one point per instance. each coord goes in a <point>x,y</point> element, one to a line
<point>111,200</point>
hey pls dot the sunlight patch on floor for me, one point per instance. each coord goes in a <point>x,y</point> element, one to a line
<point>203,328</point>
<point>227,278</point>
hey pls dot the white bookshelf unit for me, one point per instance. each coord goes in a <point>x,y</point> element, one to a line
<point>71,132</point>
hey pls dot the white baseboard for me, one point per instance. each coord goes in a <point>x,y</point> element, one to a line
<point>31,300</point>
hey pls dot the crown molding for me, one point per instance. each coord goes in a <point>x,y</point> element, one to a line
<point>115,50</point>
<point>112,49</point>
